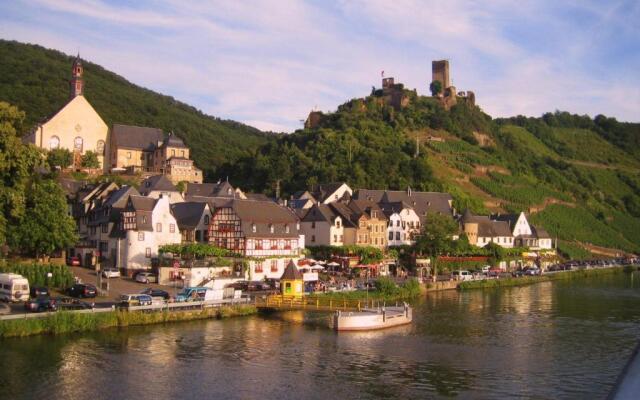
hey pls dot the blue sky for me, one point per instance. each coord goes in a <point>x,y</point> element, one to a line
<point>268,63</point>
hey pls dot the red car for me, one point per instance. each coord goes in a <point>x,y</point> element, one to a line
<point>75,261</point>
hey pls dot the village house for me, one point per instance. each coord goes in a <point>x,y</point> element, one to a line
<point>364,223</point>
<point>481,230</point>
<point>525,234</point>
<point>193,221</point>
<point>159,185</point>
<point>322,226</point>
<point>404,224</point>
<point>146,224</point>
<point>326,193</point>
<point>264,231</point>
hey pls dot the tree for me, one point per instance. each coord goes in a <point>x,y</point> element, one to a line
<point>496,253</point>
<point>59,158</point>
<point>17,163</point>
<point>181,186</point>
<point>436,88</point>
<point>45,226</point>
<point>90,160</point>
<point>436,237</point>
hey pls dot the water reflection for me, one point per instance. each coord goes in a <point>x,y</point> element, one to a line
<point>553,340</point>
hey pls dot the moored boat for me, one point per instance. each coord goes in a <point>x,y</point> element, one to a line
<point>371,319</point>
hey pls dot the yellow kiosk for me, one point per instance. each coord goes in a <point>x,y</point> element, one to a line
<point>291,282</point>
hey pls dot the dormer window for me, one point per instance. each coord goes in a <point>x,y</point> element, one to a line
<point>271,228</point>
<point>229,191</point>
<point>144,219</point>
<point>286,228</point>
<point>253,228</point>
<point>298,226</point>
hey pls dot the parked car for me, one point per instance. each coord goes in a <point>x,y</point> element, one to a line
<point>239,285</point>
<point>73,261</point>
<point>462,275</point>
<point>68,303</point>
<point>40,304</point>
<point>128,300</point>
<point>110,273</point>
<point>38,291</point>
<point>259,285</point>
<point>4,309</point>
<point>146,277</point>
<point>195,294</point>
<point>82,290</point>
<point>494,272</point>
<point>531,271</point>
<point>485,269</point>
<point>273,283</point>
<point>156,293</point>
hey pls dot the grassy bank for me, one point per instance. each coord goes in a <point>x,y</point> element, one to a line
<point>528,280</point>
<point>66,322</point>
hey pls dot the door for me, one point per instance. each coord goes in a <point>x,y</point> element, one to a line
<point>287,288</point>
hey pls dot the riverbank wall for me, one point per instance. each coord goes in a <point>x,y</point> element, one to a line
<point>528,280</point>
<point>68,322</point>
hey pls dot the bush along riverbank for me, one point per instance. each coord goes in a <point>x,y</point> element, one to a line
<point>385,289</point>
<point>67,322</point>
<point>528,280</point>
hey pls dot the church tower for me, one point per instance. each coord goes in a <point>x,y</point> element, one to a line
<point>76,83</point>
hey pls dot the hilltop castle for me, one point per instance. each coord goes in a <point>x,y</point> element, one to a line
<point>448,94</point>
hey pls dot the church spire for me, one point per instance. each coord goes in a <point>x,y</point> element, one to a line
<point>76,83</point>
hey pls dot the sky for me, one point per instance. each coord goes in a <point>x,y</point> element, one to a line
<point>267,63</point>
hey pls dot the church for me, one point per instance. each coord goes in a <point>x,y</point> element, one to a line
<point>76,127</point>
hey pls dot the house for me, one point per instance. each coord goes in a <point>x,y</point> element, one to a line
<point>146,224</point>
<point>76,127</point>
<point>171,158</point>
<point>364,223</point>
<point>404,224</point>
<point>525,234</point>
<point>263,230</point>
<point>422,203</point>
<point>322,226</point>
<point>193,221</point>
<point>159,185</point>
<point>133,147</point>
<point>104,219</point>
<point>330,192</point>
<point>302,200</point>
<point>220,189</point>
<point>481,230</point>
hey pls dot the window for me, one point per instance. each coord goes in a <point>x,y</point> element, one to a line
<point>172,228</point>
<point>54,143</point>
<point>144,219</point>
<point>158,227</point>
<point>173,152</point>
<point>398,223</point>
<point>258,268</point>
<point>206,220</point>
<point>105,228</point>
<point>271,228</point>
<point>274,265</point>
<point>298,226</point>
<point>397,235</point>
<point>313,238</point>
<point>390,235</point>
<point>253,228</point>
<point>100,147</point>
<point>286,228</point>
<point>335,238</point>
<point>198,237</point>
<point>77,144</point>
<point>147,252</point>
<point>337,223</point>
<point>313,225</point>
<point>128,155</point>
<point>182,153</point>
<point>141,236</point>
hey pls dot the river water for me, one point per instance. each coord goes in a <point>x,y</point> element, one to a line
<point>552,340</point>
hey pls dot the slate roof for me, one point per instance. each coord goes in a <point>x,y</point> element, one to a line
<point>349,217</point>
<point>486,226</point>
<point>421,202</point>
<point>220,189</point>
<point>115,202</point>
<point>143,208</point>
<point>291,272</point>
<point>540,232</point>
<point>157,183</point>
<point>265,214</point>
<point>188,214</point>
<point>173,141</point>
<point>322,192</point>
<point>366,207</point>
<point>136,137</point>
<point>320,213</point>
<point>257,197</point>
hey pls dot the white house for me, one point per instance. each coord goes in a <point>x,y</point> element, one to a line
<point>525,234</point>
<point>322,226</point>
<point>331,192</point>
<point>193,220</point>
<point>159,185</point>
<point>481,230</point>
<point>404,224</point>
<point>147,224</point>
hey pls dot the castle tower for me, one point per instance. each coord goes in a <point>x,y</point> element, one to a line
<point>76,83</point>
<point>440,72</point>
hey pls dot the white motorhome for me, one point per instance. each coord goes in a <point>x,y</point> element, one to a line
<point>14,287</point>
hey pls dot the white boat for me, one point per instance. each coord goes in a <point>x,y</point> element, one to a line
<point>370,319</point>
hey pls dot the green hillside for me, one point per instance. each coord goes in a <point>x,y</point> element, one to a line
<point>578,177</point>
<point>36,80</point>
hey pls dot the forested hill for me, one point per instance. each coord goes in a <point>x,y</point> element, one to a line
<point>37,81</point>
<point>578,176</point>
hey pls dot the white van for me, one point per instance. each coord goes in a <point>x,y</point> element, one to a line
<point>14,287</point>
<point>462,275</point>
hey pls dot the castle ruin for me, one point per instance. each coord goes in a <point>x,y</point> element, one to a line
<point>448,96</point>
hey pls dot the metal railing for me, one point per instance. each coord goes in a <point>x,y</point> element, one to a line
<point>316,303</point>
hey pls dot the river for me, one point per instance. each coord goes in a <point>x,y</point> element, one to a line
<point>565,339</point>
